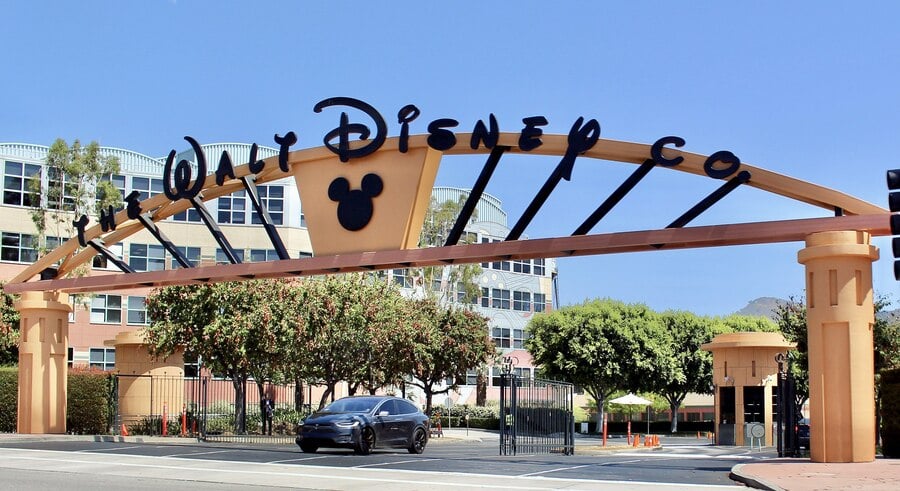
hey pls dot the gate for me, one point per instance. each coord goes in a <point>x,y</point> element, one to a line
<point>205,408</point>
<point>787,411</point>
<point>536,416</point>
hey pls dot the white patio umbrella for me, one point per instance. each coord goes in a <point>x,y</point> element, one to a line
<point>633,400</point>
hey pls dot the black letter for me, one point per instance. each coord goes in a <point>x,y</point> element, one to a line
<point>283,144</point>
<point>108,219</point>
<point>256,166</point>
<point>481,134</point>
<point>345,129</point>
<point>226,169</point>
<point>134,206</point>
<point>441,139</point>
<point>530,138</point>
<point>406,115</point>
<point>721,156</point>
<point>656,151</point>
<point>183,174</point>
<point>80,224</point>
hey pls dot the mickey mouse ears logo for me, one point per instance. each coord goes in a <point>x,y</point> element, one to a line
<point>355,207</point>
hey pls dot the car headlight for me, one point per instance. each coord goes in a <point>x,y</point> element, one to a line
<point>347,424</point>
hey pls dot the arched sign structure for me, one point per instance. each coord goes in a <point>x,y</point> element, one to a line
<point>365,202</point>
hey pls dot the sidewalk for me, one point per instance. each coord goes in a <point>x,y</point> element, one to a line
<point>803,475</point>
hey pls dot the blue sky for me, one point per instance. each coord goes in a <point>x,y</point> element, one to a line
<point>807,89</point>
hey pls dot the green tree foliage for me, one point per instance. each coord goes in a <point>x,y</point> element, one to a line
<point>447,342</point>
<point>602,345</point>
<point>450,283</point>
<point>240,329</point>
<point>9,329</point>
<point>691,366</point>
<point>76,183</point>
<point>349,329</point>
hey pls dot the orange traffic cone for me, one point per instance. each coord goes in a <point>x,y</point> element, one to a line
<point>636,438</point>
<point>124,430</point>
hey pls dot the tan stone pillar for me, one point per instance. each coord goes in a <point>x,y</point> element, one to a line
<point>43,340</point>
<point>840,317</point>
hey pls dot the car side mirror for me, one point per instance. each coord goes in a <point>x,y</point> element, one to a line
<point>383,413</point>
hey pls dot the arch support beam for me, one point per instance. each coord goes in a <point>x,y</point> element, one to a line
<point>840,319</point>
<point>43,368</point>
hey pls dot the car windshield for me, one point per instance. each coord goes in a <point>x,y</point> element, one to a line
<point>352,405</point>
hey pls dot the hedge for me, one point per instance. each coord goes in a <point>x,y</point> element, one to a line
<point>9,398</point>
<point>890,412</point>
<point>88,408</point>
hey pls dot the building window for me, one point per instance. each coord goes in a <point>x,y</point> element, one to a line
<point>221,258</point>
<point>147,186</point>
<point>263,255</point>
<point>539,267</point>
<point>18,182</point>
<point>303,221</point>
<point>191,366</point>
<point>471,377</point>
<point>402,278</point>
<point>106,309</point>
<point>540,302</point>
<point>192,254</point>
<point>70,356</point>
<point>522,266</point>
<point>189,215</point>
<point>500,336</point>
<point>272,198</point>
<point>522,301</point>
<point>19,248</point>
<point>147,257</point>
<point>61,186</point>
<point>118,182</point>
<point>103,358</point>
<point>100,261</point>
<point>485,297</point>
<point>499,298</point>
<point>233,208</point>
<point>137,311</point>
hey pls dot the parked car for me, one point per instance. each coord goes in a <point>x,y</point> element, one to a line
<point>363,423</point>
<point>803,433</point>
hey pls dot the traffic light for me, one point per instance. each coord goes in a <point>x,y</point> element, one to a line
<point>893,183</point>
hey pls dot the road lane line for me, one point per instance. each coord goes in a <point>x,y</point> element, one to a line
<point>101,450</point>
<point>554,470</point>
<point>298,460</point>
<point>392,463</point>
<point>195,453</point>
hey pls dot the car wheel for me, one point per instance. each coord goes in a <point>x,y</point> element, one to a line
<point>308,447</point>
<point>419,440</point>
<point>366,442</point>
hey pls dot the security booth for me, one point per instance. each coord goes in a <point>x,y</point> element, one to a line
<point>744,376</point>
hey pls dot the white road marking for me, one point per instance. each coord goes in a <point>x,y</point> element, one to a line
<point>554,470</point>
<point>101,450</point>
<point>298,460</point>
<point>195,453</point>
<point>392,463</point>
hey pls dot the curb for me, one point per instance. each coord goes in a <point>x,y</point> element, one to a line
<point>736,474</point>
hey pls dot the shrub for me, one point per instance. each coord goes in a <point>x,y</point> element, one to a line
<point>890,412</point>
<point>88,401</point>
<point>9,398</point>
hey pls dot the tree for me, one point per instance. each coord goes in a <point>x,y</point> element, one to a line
<point>692,365</point>
<point>598,345</point>
<point>238,328</point>
<point>346,327</point>
<point>9,329</point>
<point>448,341</point>
<point>77,183</point>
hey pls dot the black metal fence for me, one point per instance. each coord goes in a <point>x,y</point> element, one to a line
<point>536,416</point>
<point>210,409</point>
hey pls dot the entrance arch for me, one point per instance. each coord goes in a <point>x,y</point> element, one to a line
<point>366,214</point>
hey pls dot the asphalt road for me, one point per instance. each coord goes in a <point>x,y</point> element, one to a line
<point>445,464</point>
